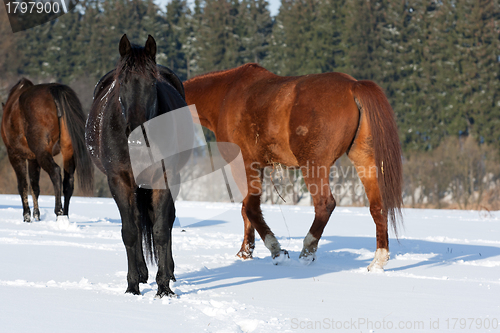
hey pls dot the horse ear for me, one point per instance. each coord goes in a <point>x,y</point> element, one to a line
<point>150,47</point>
<point>125,46</point>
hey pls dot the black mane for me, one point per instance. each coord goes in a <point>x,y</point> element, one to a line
<point>138,62</point>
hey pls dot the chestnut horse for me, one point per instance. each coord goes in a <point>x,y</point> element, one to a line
<point>306,122</point>
<point>39,122</point>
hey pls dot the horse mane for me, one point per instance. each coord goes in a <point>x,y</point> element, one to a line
<point>214,74</point>
<point>24,82</point>
<point>139,62</point>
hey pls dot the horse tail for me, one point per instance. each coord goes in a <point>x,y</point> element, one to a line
<point>375,108</point>
<point>70,109</point>
<point>144,198</point>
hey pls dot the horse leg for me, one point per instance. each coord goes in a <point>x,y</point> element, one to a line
<point>69,182</point>
<point>162,236</point>
<point>19,166</point>
<point>324,204</point>
<point>380,218</point>
<point>34,173</point>
<point>50,166</point>
<point>122,190</point>
<point>142,268</point>
<point>248,244</point>
<point>251,207</point>
<point>367,173</point>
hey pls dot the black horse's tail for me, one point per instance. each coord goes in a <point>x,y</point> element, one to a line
<point>69,107</point>
<point>144,198</point>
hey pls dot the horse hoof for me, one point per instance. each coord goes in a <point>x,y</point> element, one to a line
<point>27,218</point>
<point>375,269</point>
<point>36,215</point>
<point>380,260</point>
<point>281,257</point>
<point>166,292</point>
<point>133,290</point>
<point>244,255</point>
<point>62,219</point>
<point>307,259</point>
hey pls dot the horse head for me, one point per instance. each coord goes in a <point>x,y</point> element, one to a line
<point>137,77</point>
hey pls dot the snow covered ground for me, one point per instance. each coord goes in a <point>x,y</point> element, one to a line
<point>443,276</point>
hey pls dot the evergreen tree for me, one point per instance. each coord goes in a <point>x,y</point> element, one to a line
<point>174,36</point>
<point>302,38</point>
<point>255,25</point>
<point>192,46</point>
<point>216,36</point>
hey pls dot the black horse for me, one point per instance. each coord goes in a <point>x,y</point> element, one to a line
<point>136,91</point>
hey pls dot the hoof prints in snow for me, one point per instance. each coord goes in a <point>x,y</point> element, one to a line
<point>74,275</point>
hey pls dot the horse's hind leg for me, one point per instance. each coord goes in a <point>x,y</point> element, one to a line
<point>367,173</point>
<point>68,182</point>
<point>162,236</point>
<point>34,173</point>
<point>318,184</point>
<point>19,166</point>
<point>50,166</point>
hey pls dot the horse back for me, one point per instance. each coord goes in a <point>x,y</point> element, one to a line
<point>288,120</point>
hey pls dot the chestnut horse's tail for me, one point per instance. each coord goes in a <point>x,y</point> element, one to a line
<point>375,108</point>
<point>69,106</point>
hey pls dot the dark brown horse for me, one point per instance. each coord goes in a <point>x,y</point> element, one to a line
<point>306,122</point>
<point>135,92</point>
<point>39,122</point>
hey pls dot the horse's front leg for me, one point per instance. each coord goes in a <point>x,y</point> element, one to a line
<point>122,189</point>
<point>254,220</point>
<point>163,205</point>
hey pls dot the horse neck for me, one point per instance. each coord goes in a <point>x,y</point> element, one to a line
<point>207,92</point>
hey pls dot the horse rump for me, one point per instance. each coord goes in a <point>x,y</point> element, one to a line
<point>70,109</point>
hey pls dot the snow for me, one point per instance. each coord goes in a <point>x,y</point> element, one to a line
<point>60,277</point>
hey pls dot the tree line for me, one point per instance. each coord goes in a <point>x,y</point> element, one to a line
<point>437,60</point>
